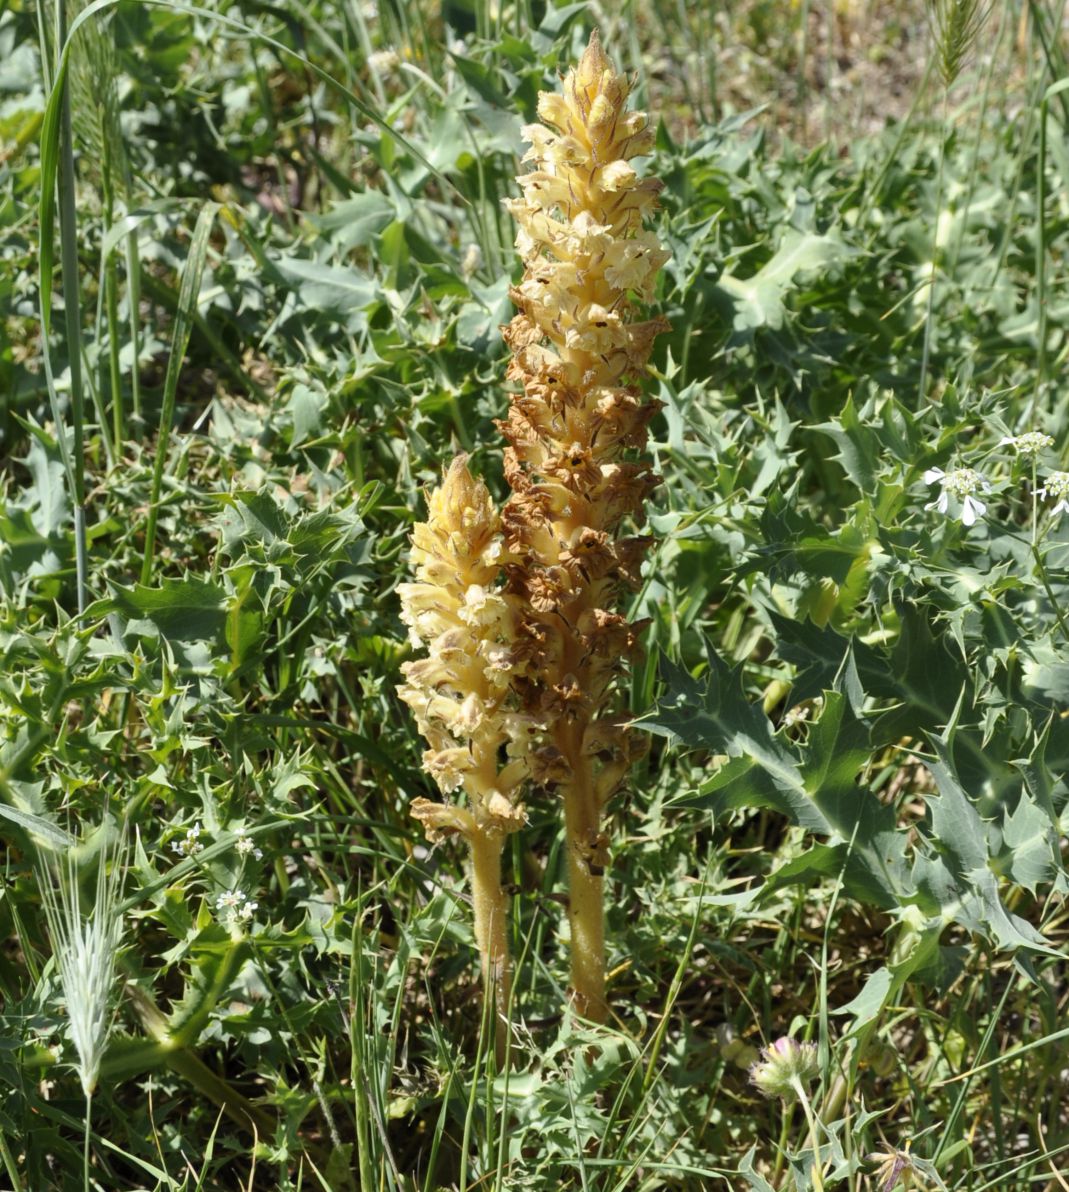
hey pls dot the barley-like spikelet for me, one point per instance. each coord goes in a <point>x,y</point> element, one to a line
<point>459,694</point>
<point>85,943</point>
<point>957,25</point>
<point>575,430</point>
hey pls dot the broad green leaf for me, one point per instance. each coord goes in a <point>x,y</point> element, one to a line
<point>355,222</point>
<point>866,1006</point>
<point>244,634</point>
<point>479,319</point>
<point>338,290</point>
<point>1029,853</point>
<point>760,300</point>
<point>306,407</point>
<point>183,610</point>
<point>27,552</point>
<point>756,1181</point>
<point>1044,789</point>
<point>251,517</point>
<point>814,784</point>
<point>36,826</point>
<point>217,959</point>
<point>959,880</point>
<point>818,651</point>
<point>716,716</point>
<point>859,448</point>
<point>49,504</point>
<point>128,1056</point>
<point>132,220</point>
<point>926,676</point>
<point>1045,673</point>
<point>958,830</point>
<point>837,749</point>
<point>256,529</point>
<point>820,861</point>
<point>159,39</point>
<point>745,783</point>
<point>556,22</point>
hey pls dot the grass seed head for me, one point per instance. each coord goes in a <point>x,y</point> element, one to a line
<point>85,942</point>
<point>957,25</point>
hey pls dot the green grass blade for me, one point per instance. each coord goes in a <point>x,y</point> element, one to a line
<point>189,291</point>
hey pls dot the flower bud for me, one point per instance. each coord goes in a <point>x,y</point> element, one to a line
<point>785,1065</point>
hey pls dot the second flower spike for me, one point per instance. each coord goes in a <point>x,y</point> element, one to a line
<point>458,694</point>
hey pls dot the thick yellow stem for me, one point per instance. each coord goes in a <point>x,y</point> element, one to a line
<point>491,910</point>
<point>586,907</point>
<point>586,902</point>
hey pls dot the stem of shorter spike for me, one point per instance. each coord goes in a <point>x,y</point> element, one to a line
<point>491,936</point>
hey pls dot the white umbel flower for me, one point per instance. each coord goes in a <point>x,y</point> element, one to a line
<point>235,907</point>
<point>958,486</point>
<point>246,845</point>
<point>383,62</point>
<point>1057,486</point>
<point>1030,443</point>
<point>190,844</point>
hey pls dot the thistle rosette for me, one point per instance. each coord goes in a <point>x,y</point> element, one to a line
<point>460,694</point>
<point>575,430</point>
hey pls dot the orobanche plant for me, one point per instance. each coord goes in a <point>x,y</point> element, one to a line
<point>574,430</point>
<point>460,696</point>
<point>520,613</point>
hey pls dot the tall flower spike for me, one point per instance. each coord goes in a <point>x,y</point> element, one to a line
<point>575,430</point>
<point>458,694</point>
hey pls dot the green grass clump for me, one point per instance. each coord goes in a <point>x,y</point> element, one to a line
<point>240,362</point>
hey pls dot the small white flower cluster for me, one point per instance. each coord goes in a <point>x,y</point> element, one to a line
<point>189,845</point>
<point>958,486</point>
<point>471,262</point>
<point>235,907</point>
<point>1032,442</point>
<point>245,845</point>
<point>1057,487</point>
<point>383,62</point>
